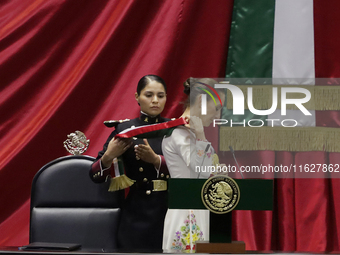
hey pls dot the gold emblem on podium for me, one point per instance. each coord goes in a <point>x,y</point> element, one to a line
<point>77,143</point>
<point>220,194</point>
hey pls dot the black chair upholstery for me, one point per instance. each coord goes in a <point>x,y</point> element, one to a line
<point>67,207</point>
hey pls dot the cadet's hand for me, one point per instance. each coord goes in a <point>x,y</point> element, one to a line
<point>145,153</point>
<point>116,147</point>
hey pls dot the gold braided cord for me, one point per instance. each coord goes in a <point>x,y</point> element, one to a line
<point>280,138</point>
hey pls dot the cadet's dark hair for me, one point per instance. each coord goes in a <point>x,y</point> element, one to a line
<point>193,87</point>
<point>145,80</point>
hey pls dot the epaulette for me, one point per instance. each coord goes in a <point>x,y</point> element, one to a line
<point>114,123</point>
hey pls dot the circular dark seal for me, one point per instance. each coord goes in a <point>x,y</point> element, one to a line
<point>220,194</point>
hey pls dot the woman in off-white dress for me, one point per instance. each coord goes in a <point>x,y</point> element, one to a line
<point>186,152</point>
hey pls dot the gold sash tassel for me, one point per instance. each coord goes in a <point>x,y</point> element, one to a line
<point>120,182</point>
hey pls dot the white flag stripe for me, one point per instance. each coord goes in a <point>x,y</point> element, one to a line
<point>293,51</point>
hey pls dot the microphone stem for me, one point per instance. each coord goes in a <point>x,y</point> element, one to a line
<point>239,169</point>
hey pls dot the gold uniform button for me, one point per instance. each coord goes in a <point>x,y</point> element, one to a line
<point>168,176</point>
<point>148,192</point>
<point>145,180</point>
<point>141,169</point>
<point>162,175</point>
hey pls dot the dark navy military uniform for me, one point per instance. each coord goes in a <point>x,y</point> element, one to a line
<point>143,212</point>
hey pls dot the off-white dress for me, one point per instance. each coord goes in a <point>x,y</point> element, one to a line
<point>184,155</point>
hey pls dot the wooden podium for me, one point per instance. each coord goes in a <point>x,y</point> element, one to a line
<point>255,194</point>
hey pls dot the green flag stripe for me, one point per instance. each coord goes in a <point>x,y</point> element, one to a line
<point>250,53</point>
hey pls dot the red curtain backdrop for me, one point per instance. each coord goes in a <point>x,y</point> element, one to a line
<point>68,65</point>
<point>327,63</point>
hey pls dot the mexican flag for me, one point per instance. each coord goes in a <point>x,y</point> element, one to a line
<point>292,42</point>
<point>282,41</point>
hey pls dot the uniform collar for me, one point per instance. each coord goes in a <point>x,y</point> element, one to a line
<point>148,119</point>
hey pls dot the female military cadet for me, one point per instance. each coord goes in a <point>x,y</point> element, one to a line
<point>143,213</point>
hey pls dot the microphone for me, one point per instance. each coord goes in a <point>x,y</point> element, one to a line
<point>205,154</point>
<point>232,152</point>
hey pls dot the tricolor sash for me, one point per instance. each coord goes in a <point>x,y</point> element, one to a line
<point>121,181</point>
<point>150,130</point>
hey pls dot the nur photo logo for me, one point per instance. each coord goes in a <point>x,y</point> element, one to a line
<point>279,98</point>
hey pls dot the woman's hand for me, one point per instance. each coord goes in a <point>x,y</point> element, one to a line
<point>222,172</point>
<point>219,170</point>
<point>116,147</point>
<point>145,153</point>
<point>187,119</point>
<point>196,125</point>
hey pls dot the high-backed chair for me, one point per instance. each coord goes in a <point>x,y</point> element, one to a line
<point>67,207</point>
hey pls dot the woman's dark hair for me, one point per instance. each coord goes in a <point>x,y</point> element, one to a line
<point>194,87</point>
<point>145,80</point>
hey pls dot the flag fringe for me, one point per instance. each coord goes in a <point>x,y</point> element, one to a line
<point>280,138</point>
<point>328,97</point>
